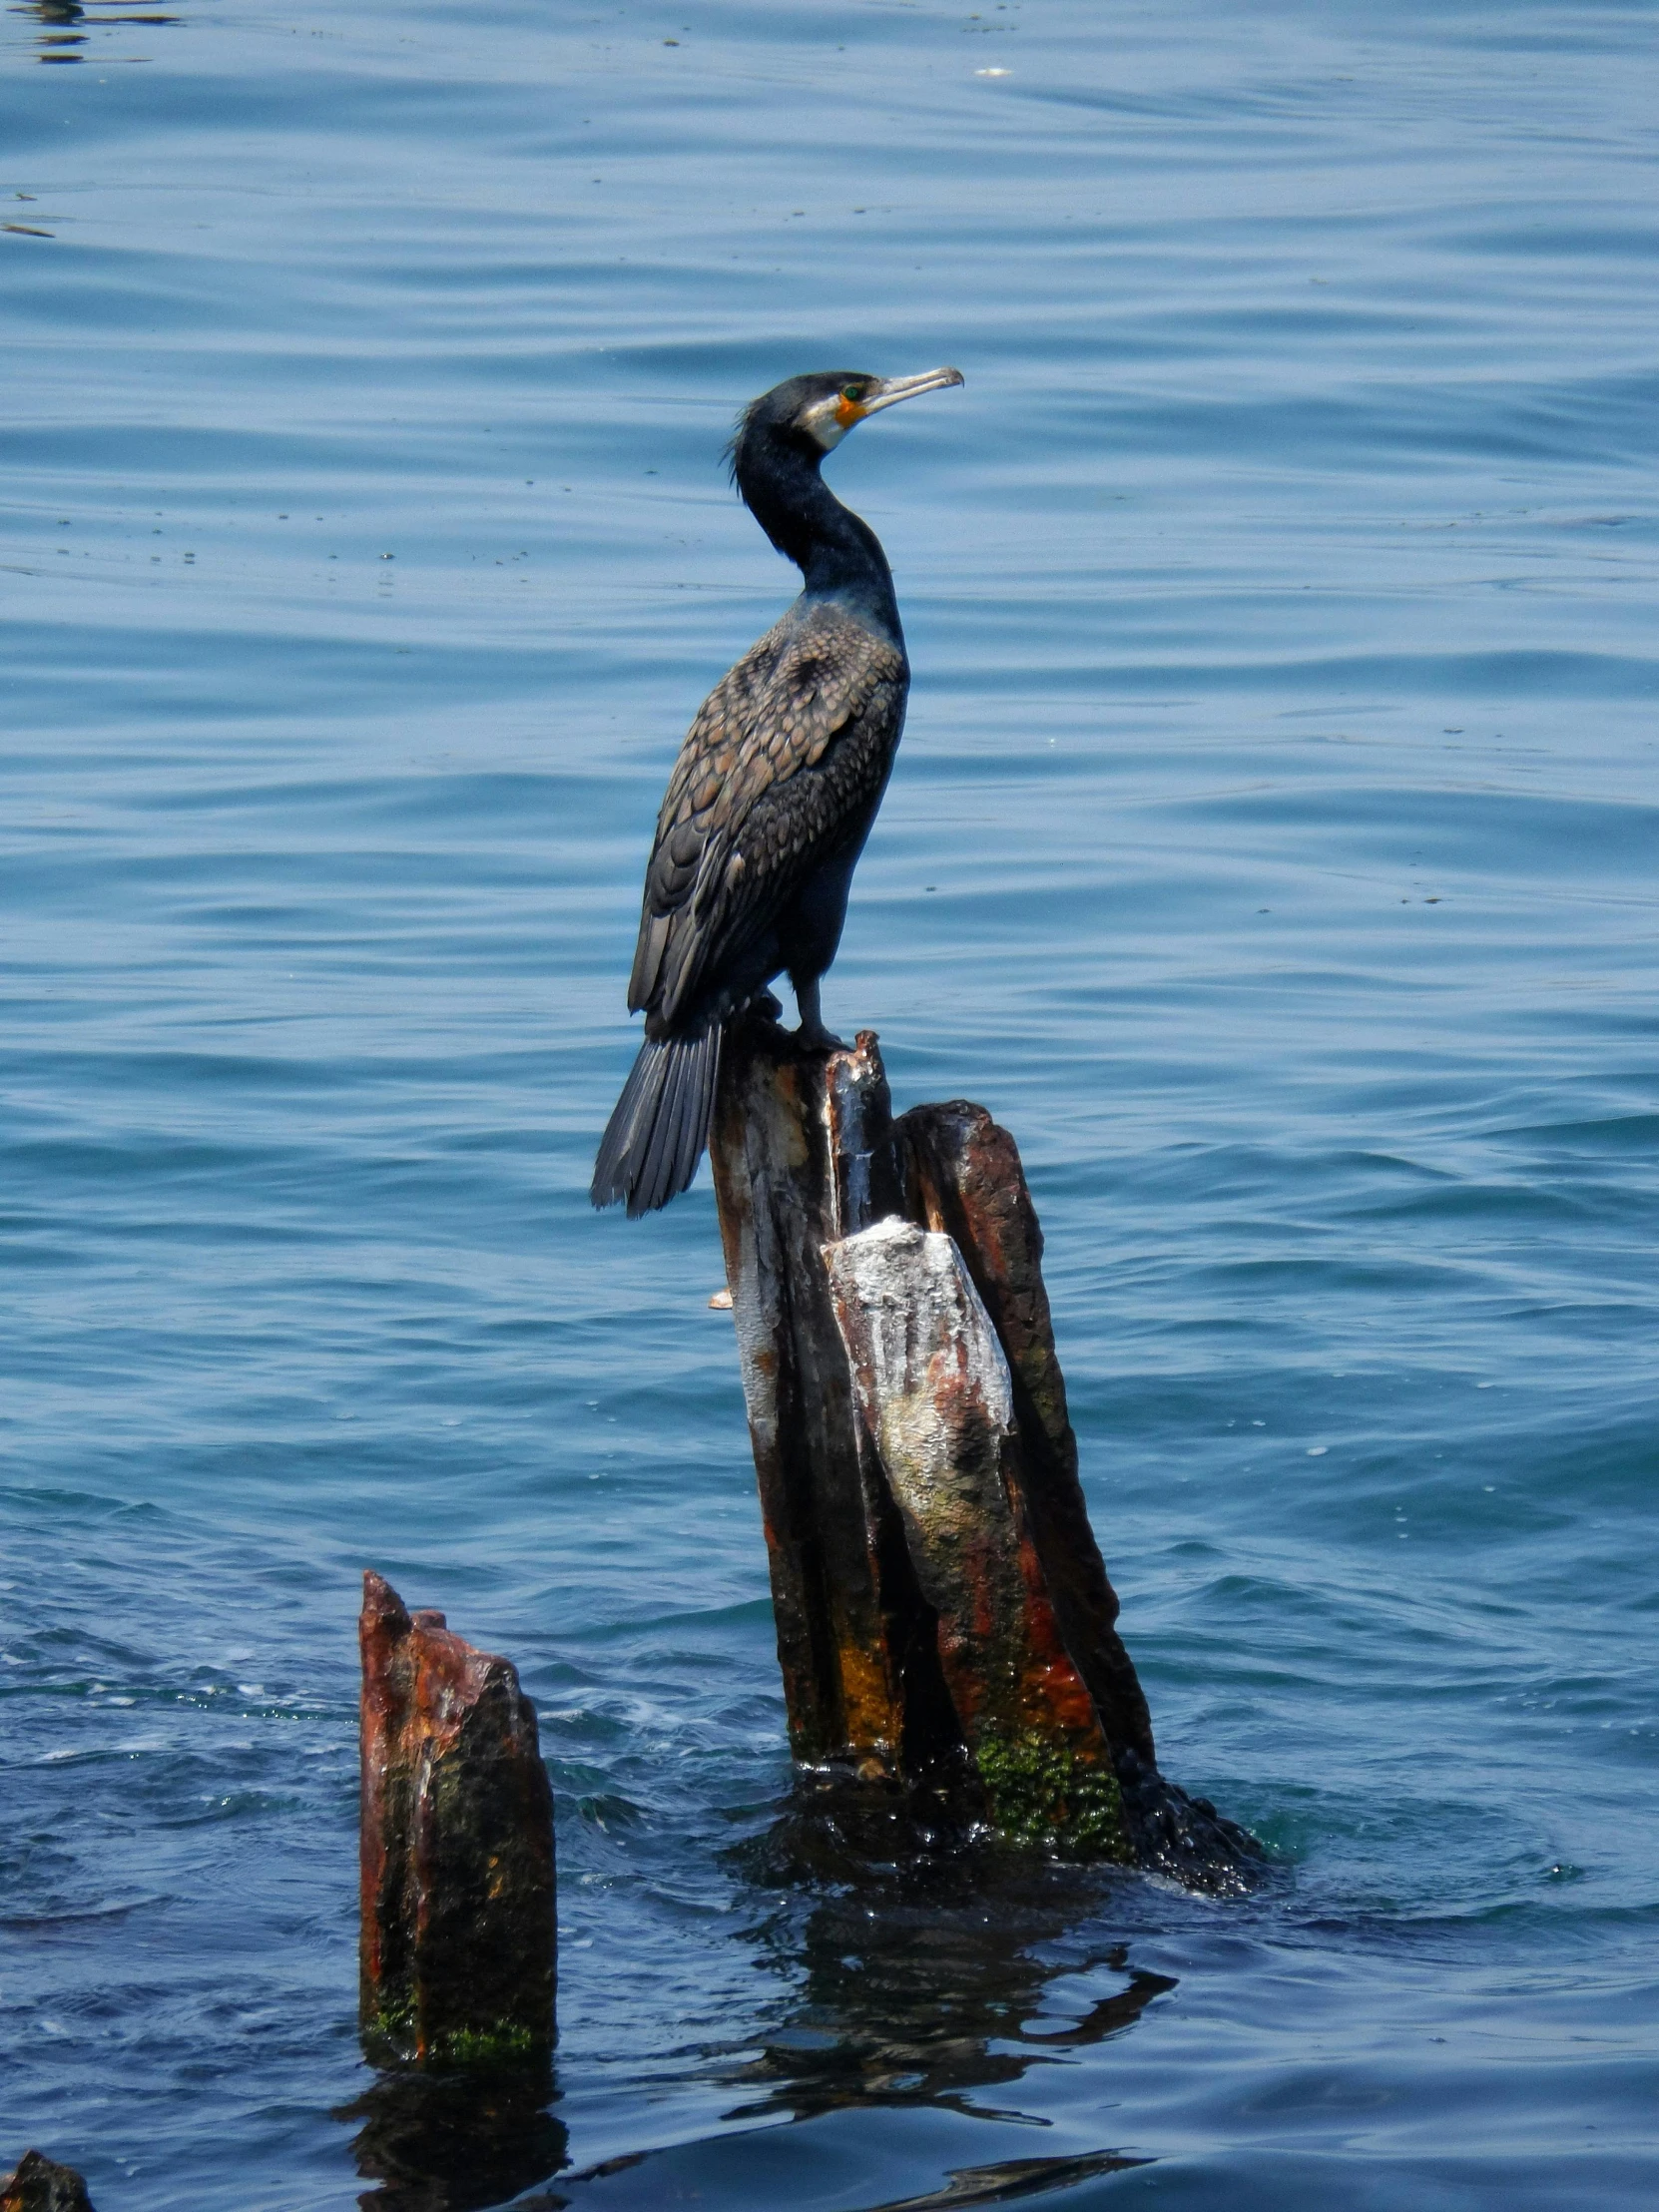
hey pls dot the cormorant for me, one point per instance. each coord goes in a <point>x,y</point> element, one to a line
<point>774,792</point>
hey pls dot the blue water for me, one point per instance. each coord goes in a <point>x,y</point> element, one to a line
<point>1272,848</point>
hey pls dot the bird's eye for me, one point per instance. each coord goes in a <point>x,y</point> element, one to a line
<point>852,392</point>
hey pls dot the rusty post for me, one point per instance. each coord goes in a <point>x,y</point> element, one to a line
<point>963,1175</point>
<point>943,1612</point>
<point>458,1918</point>
<point>935,1396</point>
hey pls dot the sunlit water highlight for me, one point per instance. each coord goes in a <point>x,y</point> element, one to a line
<point>1272,848</point>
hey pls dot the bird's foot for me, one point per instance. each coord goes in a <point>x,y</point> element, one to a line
<point>764,1004</point>
<point>812,1036</point>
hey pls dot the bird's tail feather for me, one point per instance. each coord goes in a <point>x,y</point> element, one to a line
<point>656,1134</point>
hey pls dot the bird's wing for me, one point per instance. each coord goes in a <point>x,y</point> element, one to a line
<point>790,745</point>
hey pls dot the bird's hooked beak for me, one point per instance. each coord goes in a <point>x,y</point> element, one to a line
<point>892,390</point>
<point>828,420</point>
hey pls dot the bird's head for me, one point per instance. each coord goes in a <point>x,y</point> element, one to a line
<point>813,413</point>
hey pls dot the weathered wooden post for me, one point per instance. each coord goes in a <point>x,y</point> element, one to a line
<point>802,1153</point>
<point>458,1927</point>
<point>943,1612</point>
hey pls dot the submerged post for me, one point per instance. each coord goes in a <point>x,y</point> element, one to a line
<point>458,1936</point>
<point>943,1612</point>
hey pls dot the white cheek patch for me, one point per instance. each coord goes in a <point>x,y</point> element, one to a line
<point>821,423</point>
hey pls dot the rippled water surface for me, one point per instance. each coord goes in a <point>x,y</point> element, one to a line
<point>1272,848</point>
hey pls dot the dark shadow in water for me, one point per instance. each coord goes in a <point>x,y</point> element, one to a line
<point>920,1988</point>
<point>455,2141</point>
<point>914,1953</point>
<point>1009,2181</point>
<point>921,1976</point>
<point>1011,2178</point>
<point>66,23</point>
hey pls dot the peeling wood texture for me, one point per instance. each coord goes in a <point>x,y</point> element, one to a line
<point>803,1153</point>
<point>458,1912</point>
<point>944,1616</point>
<point>935,1396</point>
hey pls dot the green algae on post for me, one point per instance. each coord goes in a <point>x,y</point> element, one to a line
<point>458,1940</point>
<point>1047,1796</point>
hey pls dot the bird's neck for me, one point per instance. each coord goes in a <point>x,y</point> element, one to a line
<point>835,550</point>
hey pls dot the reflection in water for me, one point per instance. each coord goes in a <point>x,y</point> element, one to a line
<point>57,44</point>
<point>457,2141</point>
<point>920,1989</point>
<point>919,1982</point>
<point>65,34</point>
<point>922,1980</point>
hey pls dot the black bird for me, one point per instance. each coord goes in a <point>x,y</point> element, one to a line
<point>774,792</point>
